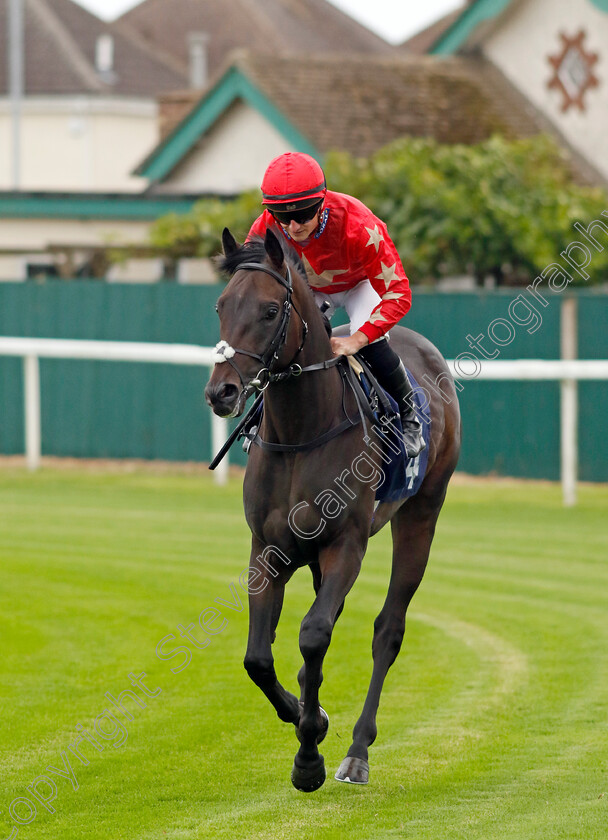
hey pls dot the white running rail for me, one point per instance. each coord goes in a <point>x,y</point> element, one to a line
<point>31,350</point>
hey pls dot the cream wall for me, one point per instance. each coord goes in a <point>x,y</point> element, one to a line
<point>30,237</point>
<point>231,157</point>
<point>520,44</point>
<point>12,267</point>
<point>79,143</point>
<point>38,234</point>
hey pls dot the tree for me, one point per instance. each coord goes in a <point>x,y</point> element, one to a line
<point>199,232</point>
<point>500,208</point>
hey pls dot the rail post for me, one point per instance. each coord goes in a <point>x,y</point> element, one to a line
<point>31,392</point>
<point>219,436</point>
<point>569,403</point>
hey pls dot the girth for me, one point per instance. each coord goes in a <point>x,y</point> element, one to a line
<point>348,423</point>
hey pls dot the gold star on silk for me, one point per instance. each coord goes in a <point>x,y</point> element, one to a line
<point>375,237</point>
<point>317,281</point>
<point>376,316</point>
<point>389,274</point>
<point>392,296</point>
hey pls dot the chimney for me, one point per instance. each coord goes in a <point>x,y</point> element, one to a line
<point>197,51</point>
<point>104,54</point>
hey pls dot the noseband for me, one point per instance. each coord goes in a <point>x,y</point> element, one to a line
<point>225,353</point>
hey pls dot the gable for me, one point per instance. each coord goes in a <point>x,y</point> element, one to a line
<point>231,157</point>
<point>233,86</point>
<point>556,53</point>
<point>467,25</point>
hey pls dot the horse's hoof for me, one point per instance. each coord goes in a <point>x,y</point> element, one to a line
<point>323,731</point>
<point>353,770</point>
<point>308,779</point>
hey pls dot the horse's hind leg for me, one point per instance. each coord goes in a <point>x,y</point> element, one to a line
<point>413,527</point>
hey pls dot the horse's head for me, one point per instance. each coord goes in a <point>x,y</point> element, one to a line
<point>258,334</point>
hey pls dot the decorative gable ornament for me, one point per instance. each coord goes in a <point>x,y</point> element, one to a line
<point>573,71</point>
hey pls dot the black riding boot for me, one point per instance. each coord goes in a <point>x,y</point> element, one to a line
<point>382,358</point>
<point>400,388</point>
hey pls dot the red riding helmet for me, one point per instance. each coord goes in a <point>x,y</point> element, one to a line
<point>293,181</point>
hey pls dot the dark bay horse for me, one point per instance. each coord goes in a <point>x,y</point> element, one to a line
<point>309,485</point>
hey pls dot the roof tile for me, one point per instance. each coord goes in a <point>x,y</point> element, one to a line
<point>268,26</point>
<point>60,44</point>
<point>361,103</point>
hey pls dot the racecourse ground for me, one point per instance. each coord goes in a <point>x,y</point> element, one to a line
<point>493,723</point>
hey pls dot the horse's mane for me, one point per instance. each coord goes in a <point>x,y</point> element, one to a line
<point>254,251</point>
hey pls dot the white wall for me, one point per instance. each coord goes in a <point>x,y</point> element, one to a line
<point>32,236</point>
<point>79,143</point>
<point>136,271</point>
<point>12,267</point>
<point>520,44</point>
<point>231,157</point>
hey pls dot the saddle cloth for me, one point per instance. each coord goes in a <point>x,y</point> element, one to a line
<point>402,476</point>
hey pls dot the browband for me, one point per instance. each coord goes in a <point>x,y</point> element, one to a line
<point>284,281</point>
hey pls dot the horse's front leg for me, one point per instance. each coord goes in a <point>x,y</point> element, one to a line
<point>265,602</point>
<point>340,565</point>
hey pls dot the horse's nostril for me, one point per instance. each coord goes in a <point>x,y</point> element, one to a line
<point>227,392</point>
<point>220,394</point>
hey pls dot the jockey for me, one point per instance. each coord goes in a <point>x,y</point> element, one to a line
<point>351,262</point>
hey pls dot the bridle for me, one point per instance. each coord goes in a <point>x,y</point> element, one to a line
<point>225,353</point>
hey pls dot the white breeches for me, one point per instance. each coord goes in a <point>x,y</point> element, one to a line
<point>359,302</point>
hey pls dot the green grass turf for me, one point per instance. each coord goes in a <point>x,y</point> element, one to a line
<point>493,723</point>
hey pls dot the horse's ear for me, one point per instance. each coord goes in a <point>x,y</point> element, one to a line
<point>229,243</point>
<point>273,249</point>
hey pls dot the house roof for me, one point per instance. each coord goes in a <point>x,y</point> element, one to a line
<point>271,26</point>
<point>471,22</point>
<point>468,28</point>
<point>60,45</point>
<point>421,42</point>
<point>356,104</point>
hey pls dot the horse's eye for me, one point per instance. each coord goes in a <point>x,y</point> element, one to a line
<point>272,313</point>
<point>216,309</point>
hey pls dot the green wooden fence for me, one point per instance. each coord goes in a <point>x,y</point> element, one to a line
<point>119,410</point>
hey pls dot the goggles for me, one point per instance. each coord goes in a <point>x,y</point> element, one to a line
<point>300,217</point>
